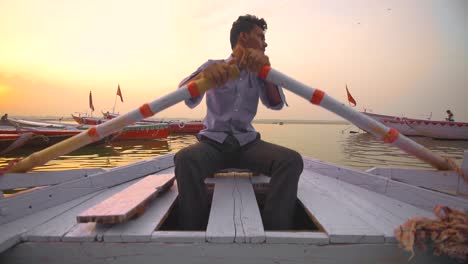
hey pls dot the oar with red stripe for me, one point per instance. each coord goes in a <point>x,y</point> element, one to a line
<point>190,90</point>
<point>379,130</point>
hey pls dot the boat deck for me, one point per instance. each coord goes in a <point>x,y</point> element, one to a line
<point>355,214</point>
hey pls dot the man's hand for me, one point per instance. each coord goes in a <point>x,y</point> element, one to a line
<point>217,72</point>
<point>250,59</point>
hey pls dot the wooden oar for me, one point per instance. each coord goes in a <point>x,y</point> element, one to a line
<point>190,90</point>
<point>379,130</point>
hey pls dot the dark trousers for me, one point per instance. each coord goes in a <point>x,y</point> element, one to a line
<point>198,161</point>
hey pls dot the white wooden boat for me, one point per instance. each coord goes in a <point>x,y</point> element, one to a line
<point>36,123</point>
<point>421,127</point>
<point>353,215</point>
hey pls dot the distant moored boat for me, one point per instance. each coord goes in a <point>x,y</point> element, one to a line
<point>420,127</point>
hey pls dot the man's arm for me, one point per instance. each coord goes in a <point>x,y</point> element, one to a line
<point>253,60</point>
<point>272,93</point>
<point>216,72</point>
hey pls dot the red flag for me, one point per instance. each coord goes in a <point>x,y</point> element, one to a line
<point>91,101</point>
<point>119,93</point>
<point>350,97</point>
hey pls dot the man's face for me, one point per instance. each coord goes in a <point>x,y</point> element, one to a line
<point>255,39</point>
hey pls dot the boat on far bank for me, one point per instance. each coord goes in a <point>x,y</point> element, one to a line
<point>421,127</point>
<point>18,136</point>
<point>135,131</point>
<point>175,126</point>
<point>20,133</point>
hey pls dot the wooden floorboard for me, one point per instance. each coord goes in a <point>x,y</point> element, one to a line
<point>295,237</point>
<point>86,232</point>
<point>140,229</point>
<point>445,181</point>
<point>407,193</point>
<point>383,213</point>
<point>124,205</point>
<point>221,227</point>
<point>341,223</point>
<point>39,200</point>
<point>179,236</point>
<point>11,233</point>
<point>56,228</point>
<point>249,226</point>
<point>234,216</point>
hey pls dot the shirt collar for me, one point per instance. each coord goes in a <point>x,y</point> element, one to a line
<point>230,58</point>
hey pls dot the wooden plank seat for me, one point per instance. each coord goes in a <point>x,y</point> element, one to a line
<point>260,182</point>
<point>232,172</point>
<point>131,201</point>
<point>234,216</point>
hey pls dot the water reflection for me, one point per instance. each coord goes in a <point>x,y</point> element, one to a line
<point>107,155</point>
<point>362,150</point>
<point>331,143</point>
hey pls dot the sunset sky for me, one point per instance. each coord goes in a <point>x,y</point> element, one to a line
<point>397,57</point>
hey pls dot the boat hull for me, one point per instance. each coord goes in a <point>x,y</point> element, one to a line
<point>155,131</point>
<point>426,128</point>
<point>7,139</point>
<point>186,128</point>
<point>202,252</point>
<point>138,131</point>
<point>87,120</point>
<point>175,127</point>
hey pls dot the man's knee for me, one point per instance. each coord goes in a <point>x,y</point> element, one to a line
<point>185,155</point>
<point>296,162</point>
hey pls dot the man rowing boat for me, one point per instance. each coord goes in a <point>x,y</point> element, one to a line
<point>229,139</point>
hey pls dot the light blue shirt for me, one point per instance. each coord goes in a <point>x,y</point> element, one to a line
<point>232,107</point>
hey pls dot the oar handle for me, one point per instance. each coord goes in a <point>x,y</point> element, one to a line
<point>95,133</point>
<point>379,130</point>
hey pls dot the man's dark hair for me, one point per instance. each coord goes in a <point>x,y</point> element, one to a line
<point>245,24</point>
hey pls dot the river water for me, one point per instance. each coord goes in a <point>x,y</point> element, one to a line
<point>336,143</point>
